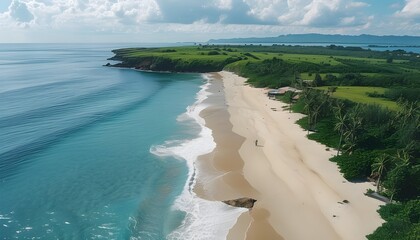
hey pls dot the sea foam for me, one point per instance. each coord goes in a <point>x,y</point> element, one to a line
<point>204,219</point>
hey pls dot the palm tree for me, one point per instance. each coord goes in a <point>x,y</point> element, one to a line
<point>353,126</point>
<point>391,192</point>
<point>407,121</point>
<point>320,101</point>
<point>407,111</point>
<point>341,123</point>
<point>402,158</point>
<point>350,133</point>
<point>307,97</point>
<point>314,102</point>
<point>290,95</point>
<point>379,167</point>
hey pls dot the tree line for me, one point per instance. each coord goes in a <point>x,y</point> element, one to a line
<point>376,144</point>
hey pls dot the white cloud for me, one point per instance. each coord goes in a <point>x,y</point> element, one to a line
<point>294,13</point>
<point>411,10</point>
<point>357,4</point>
<point>333,13</point>
<point>129,12</point>
<point>136,11</point>
<point>347,20</point>
<point>91,13</point>
<point>4,21</point>
<point>235,17</point>
<point>223,4</point>
<point>319,13</point>
<point>267,10</point>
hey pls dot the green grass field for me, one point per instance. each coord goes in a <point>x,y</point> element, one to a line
<point>372,74</point>
<point>311,76</point>
<point>372,60</point>
<point>201,53</point>
<point>262,65</point>
<point>359,95</point>
<point>317,59</point>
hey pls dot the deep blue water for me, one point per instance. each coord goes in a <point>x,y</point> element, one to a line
<point>75,141</point>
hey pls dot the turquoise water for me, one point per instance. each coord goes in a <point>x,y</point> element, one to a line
<point>75,140</point>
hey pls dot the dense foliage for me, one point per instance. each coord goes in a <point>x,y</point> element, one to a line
<point>378,144</point>
<point>402,222</point>
<point>409,94</point>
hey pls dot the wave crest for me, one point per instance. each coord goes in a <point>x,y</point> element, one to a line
<point>204,219</point>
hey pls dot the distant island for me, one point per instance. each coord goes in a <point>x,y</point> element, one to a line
<point>412,41</point>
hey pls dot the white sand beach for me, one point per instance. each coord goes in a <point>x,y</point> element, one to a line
<point>299,192</point>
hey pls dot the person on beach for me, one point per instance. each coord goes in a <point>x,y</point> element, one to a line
<point>256,142</point>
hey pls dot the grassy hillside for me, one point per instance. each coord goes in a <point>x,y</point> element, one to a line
<point>361,95</point>
<point>180,59</point>
<point>279,65</point>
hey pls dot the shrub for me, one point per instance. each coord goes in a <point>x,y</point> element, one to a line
<point>405,182</point>
<point>402,222</point>
<point>375,94</point>
<point>409,94</point>
<point>213,53</point>
<point>356,166</point>
<point>168,50</point>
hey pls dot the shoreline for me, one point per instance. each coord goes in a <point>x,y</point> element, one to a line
<point>203,218</point>
<point>290,176</point>
<point>212,182</point>
<point>220,176</point>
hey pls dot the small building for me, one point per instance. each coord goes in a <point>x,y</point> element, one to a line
<point>273,92</point>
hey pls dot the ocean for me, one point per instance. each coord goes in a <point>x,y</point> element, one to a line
<point>92,152</point>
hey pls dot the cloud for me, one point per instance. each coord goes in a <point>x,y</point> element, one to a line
<point>18,11</point>
<point>136,11</point>
<point>216,11</point>
<point>223,4</point>
<point>235,17</point>
<point>267,10</point>
<point>188,11</point>
<point>320,13</point>
<point>89,14</point>
<point>411,10</point>
<point>357,4</point>
<point>333,13</point>
<point>130,12</point>
<point>314,13</point>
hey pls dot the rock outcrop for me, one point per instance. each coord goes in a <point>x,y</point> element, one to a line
<point>241,202</point>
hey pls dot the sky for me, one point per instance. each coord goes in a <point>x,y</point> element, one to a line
<point>199,20</point>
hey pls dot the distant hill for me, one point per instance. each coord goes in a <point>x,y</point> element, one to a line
<point>329,39</point>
